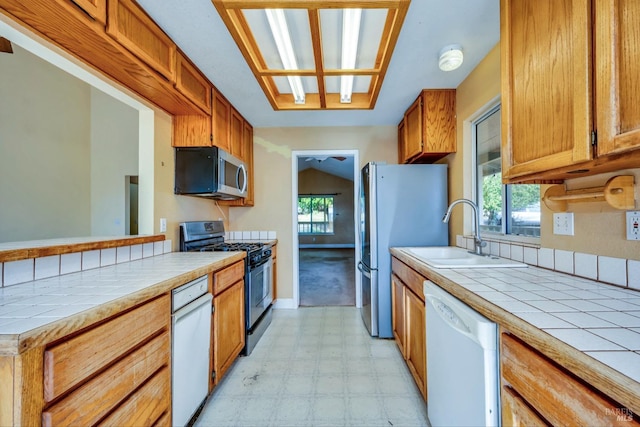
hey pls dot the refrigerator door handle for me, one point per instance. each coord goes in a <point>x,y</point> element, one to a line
<point>364,270</point>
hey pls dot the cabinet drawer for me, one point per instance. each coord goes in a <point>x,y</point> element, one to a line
<point>137,32</point>
<point>191,83</point>
<point>94,399</point>
<point>411,279</point>
<point>70,362</point>
<point>556,394</point>
<point>146,406</point>
<point>516,412</point>
<point>227,277</point>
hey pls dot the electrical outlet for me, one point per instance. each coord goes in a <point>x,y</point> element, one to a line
<point>563,223</point>
<point>163,225</point>
<point>633,225</point>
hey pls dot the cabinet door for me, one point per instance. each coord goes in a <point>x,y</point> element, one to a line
<point>413,130</point>
<point>617,55</point>
<point>221,121</point>
<point>247,136</point>
<point>247,141</point>
<point>398,313</point>
<point>401,145</point>
<point>137,32</point>
<point>236,128</point>
<point>439,121</point>
<point>416,346</point>
<point>97,9</point>
<point>546,85</point>
<point>192,131</point>
<point>274,271</point>
<point>228,327</point>
<point>192,84</point>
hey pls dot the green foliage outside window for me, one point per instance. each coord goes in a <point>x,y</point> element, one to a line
<point>315,215</point>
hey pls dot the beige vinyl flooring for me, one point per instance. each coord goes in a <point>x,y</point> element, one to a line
<point>317,366</point>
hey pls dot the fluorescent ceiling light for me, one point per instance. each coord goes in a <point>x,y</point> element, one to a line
<point>450,57</point>
<point>282,37</point>
<point>350,33</point>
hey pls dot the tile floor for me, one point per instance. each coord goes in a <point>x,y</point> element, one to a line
<point>317,366</point>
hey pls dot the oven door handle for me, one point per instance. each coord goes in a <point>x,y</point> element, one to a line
<point>261,263</point>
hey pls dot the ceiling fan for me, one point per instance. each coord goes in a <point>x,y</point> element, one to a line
<point>5,45</point>
<point>321,159</point>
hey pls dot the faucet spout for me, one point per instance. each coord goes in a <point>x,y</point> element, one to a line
<point>478,243</point>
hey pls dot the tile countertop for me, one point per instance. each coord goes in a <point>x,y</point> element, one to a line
<point>41,311</point>
<point>590,328</point>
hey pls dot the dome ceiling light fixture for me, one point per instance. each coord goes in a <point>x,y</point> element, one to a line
<point>450,57</point>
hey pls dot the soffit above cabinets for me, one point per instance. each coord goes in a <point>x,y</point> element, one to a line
<point>316,33</point>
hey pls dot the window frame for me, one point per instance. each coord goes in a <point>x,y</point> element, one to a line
<point>330,223</point>
<point>506,225</point>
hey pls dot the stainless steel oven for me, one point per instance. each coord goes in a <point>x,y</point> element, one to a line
<point>259,288</point>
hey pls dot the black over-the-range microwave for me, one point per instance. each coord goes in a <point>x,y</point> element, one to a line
<point>209,172</point>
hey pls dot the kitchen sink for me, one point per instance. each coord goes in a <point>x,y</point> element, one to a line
<point>454,257</point>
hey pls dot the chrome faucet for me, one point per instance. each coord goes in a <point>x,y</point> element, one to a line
<point>478,244</point>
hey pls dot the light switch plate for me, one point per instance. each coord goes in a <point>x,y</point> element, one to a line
<point>163,225</point>
<point>563,223</point>
<point>633,225</point>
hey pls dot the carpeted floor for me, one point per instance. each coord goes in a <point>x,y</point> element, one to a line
<point>327,277</point>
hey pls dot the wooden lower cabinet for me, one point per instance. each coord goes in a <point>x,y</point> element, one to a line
<point>228,319</point>
<point>416,339</point>
<point>408,320</point>
<point>112,373</point>
<point>535,390</point>
<point>398,312</point>
<point>274,271</point>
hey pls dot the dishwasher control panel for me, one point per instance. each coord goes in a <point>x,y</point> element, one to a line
<point>188,292</point>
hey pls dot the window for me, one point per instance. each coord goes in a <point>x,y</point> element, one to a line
<point>506,209</point>
<point>315,214</point>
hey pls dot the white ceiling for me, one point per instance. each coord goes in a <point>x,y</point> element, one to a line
<point>328,164</point>
<point>429,25</point>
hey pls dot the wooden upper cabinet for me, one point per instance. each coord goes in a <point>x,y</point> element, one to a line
<point>413,130</point>
<point>401,145</point>
<point>192,131</point>
<point>429,127</point>
<point>247,136</point>
<point>546,85</point>
<point>136,31</point>
<point>236,128</point>
<point>247,150</point>
<point>97,9</point>
<point>569,88</point>
<point>192,84</point>
<point>617,55</point>
<point>221,121</point>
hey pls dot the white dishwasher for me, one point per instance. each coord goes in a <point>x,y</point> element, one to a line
<point>462,362</point>
<point>191,337</point>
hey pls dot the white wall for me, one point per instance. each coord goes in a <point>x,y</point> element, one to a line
<point>44,150</point>
<point>273,183</point>
<point>114,155</point>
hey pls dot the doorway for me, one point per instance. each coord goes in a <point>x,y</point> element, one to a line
<point>326,238</point>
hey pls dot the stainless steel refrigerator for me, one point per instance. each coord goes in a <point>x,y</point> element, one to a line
<point>400,205</point>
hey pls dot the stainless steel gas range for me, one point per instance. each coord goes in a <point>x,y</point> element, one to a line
<point>208,236</point>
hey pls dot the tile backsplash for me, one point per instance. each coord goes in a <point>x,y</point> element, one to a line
<point>617,271</point>
<point>26,270</point>
<point>250,235</point>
